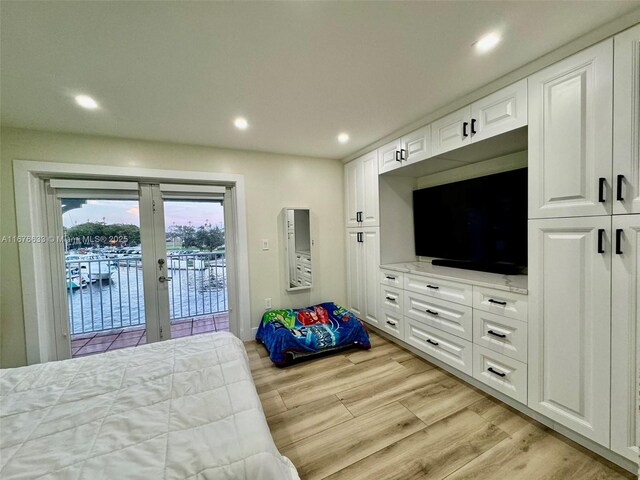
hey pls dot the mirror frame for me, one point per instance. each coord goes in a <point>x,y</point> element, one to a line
<point>287,253</point>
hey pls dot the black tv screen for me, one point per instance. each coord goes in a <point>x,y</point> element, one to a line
<point>480,223</point>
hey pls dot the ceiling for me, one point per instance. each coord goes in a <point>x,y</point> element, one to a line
<point>300,72</point>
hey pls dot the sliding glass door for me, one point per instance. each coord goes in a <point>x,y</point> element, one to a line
<point>141,262</point>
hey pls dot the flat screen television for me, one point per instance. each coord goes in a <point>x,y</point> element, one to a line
<point>477,224</point>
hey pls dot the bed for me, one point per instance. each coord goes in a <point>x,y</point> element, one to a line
<point>292,334</point>
<point>184,408</point>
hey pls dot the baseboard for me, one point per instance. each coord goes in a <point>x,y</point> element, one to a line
<point>561,429</point>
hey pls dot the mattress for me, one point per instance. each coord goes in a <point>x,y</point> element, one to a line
<point>178,409</point>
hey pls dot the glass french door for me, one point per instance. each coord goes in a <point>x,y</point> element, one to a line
<point>141,263</point>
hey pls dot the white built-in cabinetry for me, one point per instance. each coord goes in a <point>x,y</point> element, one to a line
<point>493,115</point>
<point>413,147</point>
<point>363,236</point>
<point>584,163</point>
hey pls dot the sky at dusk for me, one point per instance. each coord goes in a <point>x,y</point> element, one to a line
<point>127,211</point>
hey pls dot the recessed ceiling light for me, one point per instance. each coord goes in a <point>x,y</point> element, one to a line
<point>85,101</point>
<point>488,42</point>
<point>241,123</point>
<point>343,137</point>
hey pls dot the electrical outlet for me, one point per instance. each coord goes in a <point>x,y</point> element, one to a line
<point>265,244</point>
<point>267,303</point>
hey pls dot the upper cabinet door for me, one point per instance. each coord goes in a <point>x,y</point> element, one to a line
<point>570,135</point>
<point>570,322</point>
<point>452,131</point>
<point>626,122</point>
<point>625,318</point>
<point>416,146</point>
<point>370,203</point>
<point>500,112</point>
<point>389,156</point>
<point>353,192</point>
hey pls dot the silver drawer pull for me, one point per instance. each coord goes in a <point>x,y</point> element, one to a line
<point>432,312</point>
<point>495,372</point>
<point>391,299</point>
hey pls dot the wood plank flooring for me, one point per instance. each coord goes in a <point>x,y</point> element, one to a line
<point>388,414</point>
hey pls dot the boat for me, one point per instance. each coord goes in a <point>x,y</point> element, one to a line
<point>75,279</point>
<point>94,267</point>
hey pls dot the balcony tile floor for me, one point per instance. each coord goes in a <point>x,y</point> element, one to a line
<point>90,343</point>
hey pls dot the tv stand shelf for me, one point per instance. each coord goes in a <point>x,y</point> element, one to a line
<point>508,283</point>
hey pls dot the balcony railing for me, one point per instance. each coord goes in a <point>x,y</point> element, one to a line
<point>107,293</point>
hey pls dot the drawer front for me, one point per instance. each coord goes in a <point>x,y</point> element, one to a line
<point>501,334</point>
<point>442,289</point>
<point>391,278</point>
<point>391,299</point>
<point>513,305</point>
<point>503,373</point>
<point>392,323</point>
<point>448,348</point>
<point>447,316</point>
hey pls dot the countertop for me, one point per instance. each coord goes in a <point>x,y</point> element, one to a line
<point>509,283</point>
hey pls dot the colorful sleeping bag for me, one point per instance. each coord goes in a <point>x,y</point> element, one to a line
<point>312,329</point>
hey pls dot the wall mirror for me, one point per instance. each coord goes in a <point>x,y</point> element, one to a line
<point>297,235</point>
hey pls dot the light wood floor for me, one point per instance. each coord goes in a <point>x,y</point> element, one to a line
<point>388,414</point>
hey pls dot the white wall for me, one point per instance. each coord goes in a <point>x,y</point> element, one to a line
<point>272,182</point>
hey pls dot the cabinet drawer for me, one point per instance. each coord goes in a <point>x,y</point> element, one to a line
<point>448,316</point>
<point>442,289</point>
<point>392,323</point>
<point>391,299</point>
<point>391,278</point>
<point>448,348</point>
<point>501,334</point>
<point>303,259</point>
<point>505,374</point>
<point>513,305</point>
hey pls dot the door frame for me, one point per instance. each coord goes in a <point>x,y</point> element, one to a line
<point>39,296</point>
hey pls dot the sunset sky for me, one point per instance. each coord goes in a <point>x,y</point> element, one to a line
<point>126,211</point>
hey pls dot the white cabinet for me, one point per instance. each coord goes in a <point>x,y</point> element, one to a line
<point>625,315</point>
<point>452,131</point>
<point>570,322</point>
<point>626,122</point>
<point>498,113</point>
<point>361,191</point>
<point>411,148</point>
<point>570,135</point>
<point>363,262</point>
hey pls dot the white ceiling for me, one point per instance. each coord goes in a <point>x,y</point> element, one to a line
<point>301,72</point>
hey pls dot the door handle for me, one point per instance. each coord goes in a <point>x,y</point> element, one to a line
<point>464,129</point>
<point>164,279</point>
<point>601,240</point>
<point>619,241</point>
<point>601,184</point>
<point>619,182</point>
<point>473,126</point>
<point>403,154</point>
<point>398,159</point>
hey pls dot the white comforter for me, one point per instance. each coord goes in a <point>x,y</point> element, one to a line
<point>184,408</point>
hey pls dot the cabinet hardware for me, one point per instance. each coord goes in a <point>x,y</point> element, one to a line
<point>496,334</point>
<point>433,287</point>
<point>403,154</point>
<point>398,159</point>
<point>473,126</point>
<point>432,312</point>
<point>619,241</point>
<point>495,372</point>
<point>619,182</point>
<point>601,240</point>
<point>601,184</point>
<point>432,342</point>
<point>359,217</point>
<point>464,129</point>
<point>497,302</point>
<point>393,324</point>
<point>391,299</point>
<point>390,278</point>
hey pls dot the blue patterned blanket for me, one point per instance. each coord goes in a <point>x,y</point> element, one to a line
<point>312,329</point>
